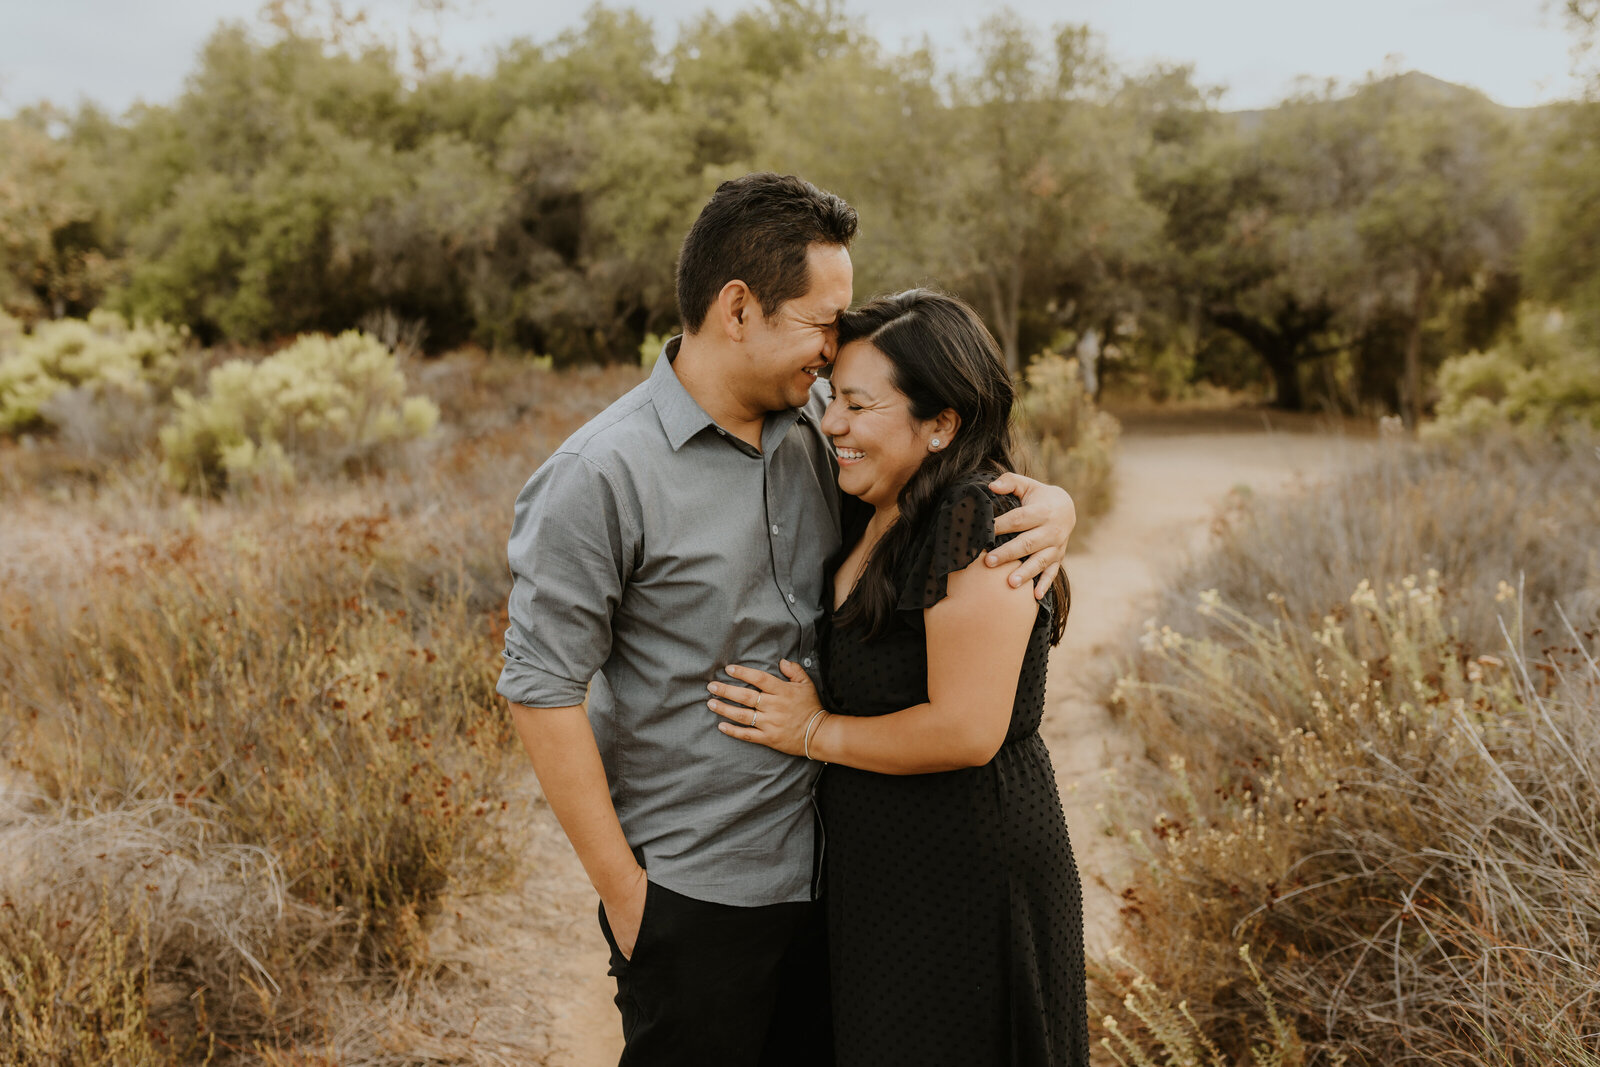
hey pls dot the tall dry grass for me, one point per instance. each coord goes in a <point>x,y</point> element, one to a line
<point>1064,438</point>
<point>1374,713</point>
<point>253,743</point>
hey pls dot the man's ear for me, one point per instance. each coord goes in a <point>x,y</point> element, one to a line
<point>732,309</point>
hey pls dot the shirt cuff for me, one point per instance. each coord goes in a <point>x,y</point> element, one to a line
<point>524,683</point>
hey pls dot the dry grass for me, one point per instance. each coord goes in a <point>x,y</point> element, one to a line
<point>1064,438</point>
<point>257,745</point>
<point>1479,514</point>
<point>1383,782</point>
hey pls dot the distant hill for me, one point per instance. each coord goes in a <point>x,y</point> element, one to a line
<point>1422,90</point>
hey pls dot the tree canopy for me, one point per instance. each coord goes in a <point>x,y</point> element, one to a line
<point>1336,247</point>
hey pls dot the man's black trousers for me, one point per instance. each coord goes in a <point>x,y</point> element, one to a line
<point>712,985</point>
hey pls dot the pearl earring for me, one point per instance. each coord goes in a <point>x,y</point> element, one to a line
<point>934,443</point>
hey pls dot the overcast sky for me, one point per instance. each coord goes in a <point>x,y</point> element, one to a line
<point>115,52</point>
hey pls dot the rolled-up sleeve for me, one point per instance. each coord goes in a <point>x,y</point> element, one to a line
<point>572,547</point>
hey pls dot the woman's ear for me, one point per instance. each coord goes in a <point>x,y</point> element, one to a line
<point>945,426</point>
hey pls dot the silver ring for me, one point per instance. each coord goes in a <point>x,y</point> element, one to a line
<point>753,717</point>
<point>757,704</point>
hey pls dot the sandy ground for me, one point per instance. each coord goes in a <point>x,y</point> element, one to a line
<point>1171,479</point>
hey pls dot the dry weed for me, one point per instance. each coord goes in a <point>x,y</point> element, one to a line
<point>1391,793</point>
<point>279,713</point>
<point>1064,438</point>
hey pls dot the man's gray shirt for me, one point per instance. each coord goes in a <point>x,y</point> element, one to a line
<point>650,551</point>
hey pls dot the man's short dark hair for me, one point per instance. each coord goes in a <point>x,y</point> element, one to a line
<point>757,229</point>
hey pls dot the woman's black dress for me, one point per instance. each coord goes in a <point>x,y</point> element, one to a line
<point>955,922</point>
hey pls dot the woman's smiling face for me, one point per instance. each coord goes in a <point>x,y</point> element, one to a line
<point>878,442</point>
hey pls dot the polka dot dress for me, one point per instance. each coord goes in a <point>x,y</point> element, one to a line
<point>955,918</point>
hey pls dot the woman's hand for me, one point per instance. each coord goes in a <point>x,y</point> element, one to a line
<point>772,712</point>
<point>1043,525</point>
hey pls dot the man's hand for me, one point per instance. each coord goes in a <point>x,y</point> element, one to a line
<point>1043,525</point>
<point>625,912</point>
<point>567,763</point>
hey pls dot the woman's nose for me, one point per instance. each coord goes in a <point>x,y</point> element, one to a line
<point>832,422</point>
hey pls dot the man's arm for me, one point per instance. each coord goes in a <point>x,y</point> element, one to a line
<point>571,551</point>
<point>567,764</point>
<point>1043,524</point>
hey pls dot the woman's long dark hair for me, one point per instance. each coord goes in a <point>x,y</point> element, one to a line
<point>942,357</point>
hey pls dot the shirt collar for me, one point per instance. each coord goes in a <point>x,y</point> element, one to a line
<point>682,416</point>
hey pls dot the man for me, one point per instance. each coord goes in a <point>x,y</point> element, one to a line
<point>683,529</point>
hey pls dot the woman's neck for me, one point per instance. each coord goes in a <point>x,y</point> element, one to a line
<point>883,518</point>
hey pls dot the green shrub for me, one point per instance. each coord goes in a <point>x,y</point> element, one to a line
<point>650,349</point>
<point>1066,440</point>
<point>1541,380</point>
<point>322,404</point>
<point>105,356</point>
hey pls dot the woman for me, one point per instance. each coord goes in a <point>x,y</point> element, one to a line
<point>954,912</point>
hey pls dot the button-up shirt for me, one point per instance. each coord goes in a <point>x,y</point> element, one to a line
<point>651,550</point>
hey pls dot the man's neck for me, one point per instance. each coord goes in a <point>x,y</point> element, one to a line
<point>707,374</point>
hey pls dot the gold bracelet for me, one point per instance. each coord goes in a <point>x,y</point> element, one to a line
<point>810,725</point>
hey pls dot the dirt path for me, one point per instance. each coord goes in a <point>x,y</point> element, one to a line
<point>1169,487</point>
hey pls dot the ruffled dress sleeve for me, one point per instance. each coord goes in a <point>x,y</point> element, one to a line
<point>960,530</point>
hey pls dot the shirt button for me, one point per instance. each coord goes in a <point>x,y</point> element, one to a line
<point>806,662</point>
<point>774,527</point>
<point>791,598</point>
<point>721,432</point>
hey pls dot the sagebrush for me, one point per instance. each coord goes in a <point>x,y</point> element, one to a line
<point>104,359</point>
<point>327,403</point>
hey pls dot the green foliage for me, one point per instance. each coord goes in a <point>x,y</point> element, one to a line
<point>304,182</point>
<point>1068,441</point>
<point>335,403</point>
<point>103,355</point>
<point>1540,380</point>
<point>650,349</point>
<point>52,255</point>
<point>1563,253</point>
<point>1360,226</point>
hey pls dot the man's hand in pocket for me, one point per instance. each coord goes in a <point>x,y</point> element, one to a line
<point>625,911</point>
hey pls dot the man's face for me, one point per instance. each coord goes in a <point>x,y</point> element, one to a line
<point>789,348</point>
